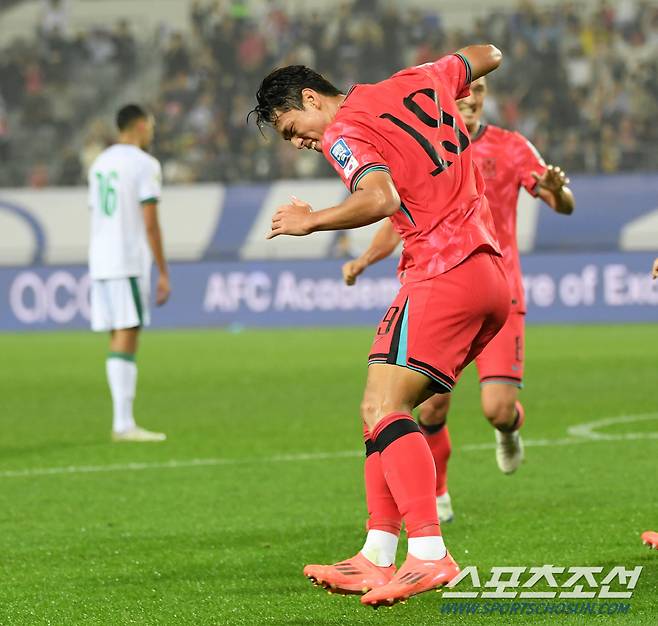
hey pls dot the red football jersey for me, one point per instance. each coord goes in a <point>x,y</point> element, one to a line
<point>506,161</point>
<point>409,126</point>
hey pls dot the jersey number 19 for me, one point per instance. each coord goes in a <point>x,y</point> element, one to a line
<point>444,118</point>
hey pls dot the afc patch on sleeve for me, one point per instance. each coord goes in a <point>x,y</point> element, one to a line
<point>341,152</point>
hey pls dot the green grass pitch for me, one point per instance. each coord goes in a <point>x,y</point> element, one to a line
<point>140,534</point>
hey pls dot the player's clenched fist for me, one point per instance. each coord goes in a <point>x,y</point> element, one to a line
<point>351,270</point>
<point>292,219</point>
<point>654,269</point>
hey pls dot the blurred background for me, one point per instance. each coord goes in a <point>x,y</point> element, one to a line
<point>579,79</point>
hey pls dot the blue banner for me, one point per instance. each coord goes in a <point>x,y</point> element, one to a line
<point>229,222</point>
<point>614,287</point>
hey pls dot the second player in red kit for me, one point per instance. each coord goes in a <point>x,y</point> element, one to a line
<point>404,153</point>
<point>507,162</point>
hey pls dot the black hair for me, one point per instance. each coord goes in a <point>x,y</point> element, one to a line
<point>129,114</point>
<point>281,91</point>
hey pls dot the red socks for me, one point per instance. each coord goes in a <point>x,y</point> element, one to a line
<point>383,513</point>
<point>408,468</point>
<point>438,439</point>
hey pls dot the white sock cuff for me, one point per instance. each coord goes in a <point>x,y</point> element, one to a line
<point>380,547</point>
<point>427,548</point>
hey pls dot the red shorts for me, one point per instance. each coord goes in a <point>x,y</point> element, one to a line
<point>438,326</point>
<point>501,361</point>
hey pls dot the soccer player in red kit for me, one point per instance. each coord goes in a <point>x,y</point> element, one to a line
<point>507,162</point>
<point>404,153</point>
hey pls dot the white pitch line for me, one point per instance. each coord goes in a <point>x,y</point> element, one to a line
<point>175,464</point>
<point>586,432</point>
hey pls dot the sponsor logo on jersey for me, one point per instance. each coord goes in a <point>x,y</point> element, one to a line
<point>341,152</point>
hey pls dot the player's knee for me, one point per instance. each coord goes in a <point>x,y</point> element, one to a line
<point>369,412</point>
<point>500,412</point>
<point>374,410</point>
<point>434,411</point>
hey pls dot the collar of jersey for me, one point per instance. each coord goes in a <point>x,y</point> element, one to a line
<point>480,132</point>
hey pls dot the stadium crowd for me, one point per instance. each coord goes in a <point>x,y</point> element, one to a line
<point>51,86</point>
<point>582,85</point>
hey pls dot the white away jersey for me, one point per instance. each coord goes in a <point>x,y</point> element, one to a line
<point>120,180</point>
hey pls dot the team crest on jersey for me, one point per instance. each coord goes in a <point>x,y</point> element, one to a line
<point>341,152</point>
<point>489,168</point>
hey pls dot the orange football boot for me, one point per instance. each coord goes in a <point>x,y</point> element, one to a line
<point>355,575</point>
<point>414,577</point>
<point>650,538</point>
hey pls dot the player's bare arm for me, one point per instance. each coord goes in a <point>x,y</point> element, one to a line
<point>154,236</point>
<point>374,199</point>
<point>483,58</point>
<point>383,244</point>
<point>654,269</point>
<point>553,190</point>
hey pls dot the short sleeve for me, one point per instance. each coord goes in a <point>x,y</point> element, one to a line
<point>351,153</point>
<point>150,182</point>
<point>528,161</point>
<point>454,71</point>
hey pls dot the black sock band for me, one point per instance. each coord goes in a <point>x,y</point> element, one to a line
<point>371,448</point>
<point>513,426</point>
<point>430,429</point>
<point>395,430</point>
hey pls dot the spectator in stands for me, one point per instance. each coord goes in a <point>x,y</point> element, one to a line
<point>125,49</point>
<point>54,16</point>
<point>99,137</point>
<point>4,131</point>
<point>176,57</point>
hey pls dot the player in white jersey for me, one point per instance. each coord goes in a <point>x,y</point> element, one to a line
<point>124,188</point>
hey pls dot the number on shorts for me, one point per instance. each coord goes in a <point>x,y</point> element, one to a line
<point>388,320</point>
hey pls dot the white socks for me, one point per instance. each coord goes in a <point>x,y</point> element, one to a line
<point>380,547</point>
<point>122,378</point>
<point>427,548</point>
